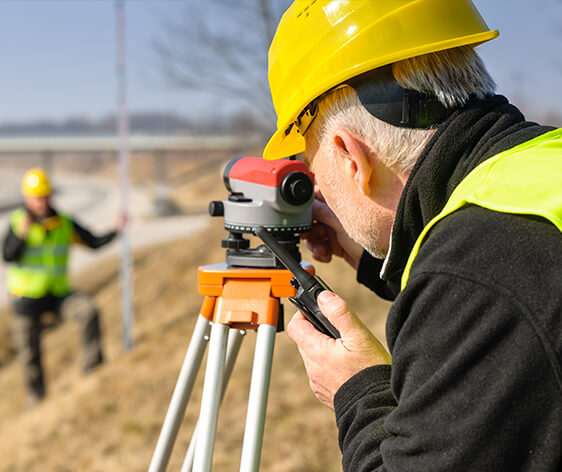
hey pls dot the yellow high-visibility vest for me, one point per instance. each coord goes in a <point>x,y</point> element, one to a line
<point>526,179</point>
<point>42,268</point>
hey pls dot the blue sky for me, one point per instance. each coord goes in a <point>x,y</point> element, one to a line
<point>58,57</point>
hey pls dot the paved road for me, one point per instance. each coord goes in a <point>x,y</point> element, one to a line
<point>94,203</point>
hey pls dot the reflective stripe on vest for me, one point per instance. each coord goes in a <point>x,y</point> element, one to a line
<point>42,268</point>
<point>526,179</point>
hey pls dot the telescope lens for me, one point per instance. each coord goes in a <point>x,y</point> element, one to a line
<point>226,173</point>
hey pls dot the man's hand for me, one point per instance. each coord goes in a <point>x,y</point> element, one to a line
<point>23,228</point>
<point>331,362</point>
<point>122,222</point>
<point>328,238</point>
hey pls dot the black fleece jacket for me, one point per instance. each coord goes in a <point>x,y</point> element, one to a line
<point>476,336</point>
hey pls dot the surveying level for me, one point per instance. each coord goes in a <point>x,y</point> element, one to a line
<point>274,194</point>
<point>273,200</point>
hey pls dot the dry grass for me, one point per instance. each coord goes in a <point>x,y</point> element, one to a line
<point>110,420</point>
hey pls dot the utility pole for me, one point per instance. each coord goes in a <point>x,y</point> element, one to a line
<point>124,158</point>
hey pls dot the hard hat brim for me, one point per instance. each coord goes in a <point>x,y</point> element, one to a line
<point>38,192</point>
<point>283,145</point>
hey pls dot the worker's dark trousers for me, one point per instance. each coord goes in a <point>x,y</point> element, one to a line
<point>27,335</point>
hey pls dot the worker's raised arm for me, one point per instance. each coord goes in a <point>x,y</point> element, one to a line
<point>87,238</point>
<point>14,240</point>
<point>13,246</point>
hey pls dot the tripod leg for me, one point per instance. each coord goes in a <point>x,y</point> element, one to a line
<point>180,396</point>
<point>212,389</point>
<point>234,341</point>
<point>257,402</point>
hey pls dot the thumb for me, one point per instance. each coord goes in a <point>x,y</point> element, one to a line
<point>354,334</point>
<point>338,312</point>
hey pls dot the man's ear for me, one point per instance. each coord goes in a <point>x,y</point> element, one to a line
<point>355,159</point>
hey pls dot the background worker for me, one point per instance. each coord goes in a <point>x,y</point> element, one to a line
<point>447,201</point>
<point>37,244</point>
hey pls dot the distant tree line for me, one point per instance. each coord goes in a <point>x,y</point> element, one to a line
<point>150,122</point>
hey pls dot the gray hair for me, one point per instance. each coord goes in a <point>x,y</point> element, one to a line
<point>453,76</point>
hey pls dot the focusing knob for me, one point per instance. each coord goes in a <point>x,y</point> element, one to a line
<point>297,188</point>
<point>216,208</point>
<point>235,241</point>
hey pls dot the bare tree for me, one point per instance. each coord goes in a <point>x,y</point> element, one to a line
<point>220,47</point>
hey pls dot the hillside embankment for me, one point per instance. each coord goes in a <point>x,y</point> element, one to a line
<point>110,419</point>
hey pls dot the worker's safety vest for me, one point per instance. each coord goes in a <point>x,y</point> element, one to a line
<point>526,179</point>
<point>42,268</point>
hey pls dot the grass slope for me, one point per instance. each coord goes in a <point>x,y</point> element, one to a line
<point>110,420</point>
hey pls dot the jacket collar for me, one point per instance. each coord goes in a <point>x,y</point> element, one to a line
<point>471,135</point>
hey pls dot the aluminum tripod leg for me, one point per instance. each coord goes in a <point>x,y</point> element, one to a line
<point>235,337</point>
<point>212,388</point>
<point>257,401</point>
<point>181,394</point>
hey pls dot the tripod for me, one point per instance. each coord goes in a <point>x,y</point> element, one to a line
<point>236,299</point>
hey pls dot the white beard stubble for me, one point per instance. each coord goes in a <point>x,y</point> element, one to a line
<point>360,223</point>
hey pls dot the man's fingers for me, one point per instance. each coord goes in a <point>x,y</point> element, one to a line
<point>305,335</point>
<point>333,243</point>
<point>337,312</point>
<point>354,334</point>
<point>318,243</point>
<point>322,213</point>
<point>298,328</point>
<point>318,195</point>
<point>320,250</point>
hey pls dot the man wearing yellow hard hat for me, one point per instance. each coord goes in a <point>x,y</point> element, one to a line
<point>37,245</point>
<point>448,202</point>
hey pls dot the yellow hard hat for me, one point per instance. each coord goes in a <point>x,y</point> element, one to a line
<point>321,43</point>
<point>35,183</point>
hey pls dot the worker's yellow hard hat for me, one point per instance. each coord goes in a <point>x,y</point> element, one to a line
<point>35,183</point>
<point>321,43</point>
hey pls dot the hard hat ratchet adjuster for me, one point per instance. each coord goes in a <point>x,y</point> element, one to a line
<point>386,100</point>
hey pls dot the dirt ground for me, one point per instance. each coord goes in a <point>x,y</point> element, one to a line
<point>110,420</point>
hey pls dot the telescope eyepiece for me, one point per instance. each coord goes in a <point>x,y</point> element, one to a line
<point>297,188</point>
